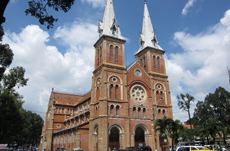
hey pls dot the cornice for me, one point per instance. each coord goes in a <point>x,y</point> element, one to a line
<point>110,65</point>
<point>150,49</point>
<point>158,74</point>
<point>107,37</point>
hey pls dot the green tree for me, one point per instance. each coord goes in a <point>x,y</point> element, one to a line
<point>184,103</point>
<point>6,55</point>
<point>174,128</point>
<point>33,127</point>
<point>11,112</point>
<point>219,101</point>
<point>161,125</point>
<point>39,9</point>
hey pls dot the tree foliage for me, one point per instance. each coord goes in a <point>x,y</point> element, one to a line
<point>169,128</point>
<point>38,9</point>
<point>17,124</point>
<point>184,103</point>
<point>213,114</point>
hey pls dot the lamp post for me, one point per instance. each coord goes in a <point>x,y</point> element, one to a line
<point>154,120</point>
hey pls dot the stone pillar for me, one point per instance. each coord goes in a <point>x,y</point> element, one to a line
<point>132,140</point>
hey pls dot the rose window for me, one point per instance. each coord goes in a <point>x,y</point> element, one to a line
<point>138,94</point>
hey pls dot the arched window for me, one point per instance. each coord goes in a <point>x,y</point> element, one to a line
<point>100,55</point>
<point>144,63</point>
<point>116,92</point>
<point>157,96</point>
<point>139,112</point>
<point>144,112</point>
<point>159,65</point>
<point>134,112</point>
<point>161,98</point>
<point>154,63</point>
<point>111,53</point>
<point>111,110</point>
<point>164,113</point>
<point>116,54</point>
<point>111,91</point>
<point>159,114</point>
<point>117,110</point>
<point>141,61</point>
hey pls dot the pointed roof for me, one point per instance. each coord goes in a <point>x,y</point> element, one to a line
<point>148,36</point>
<point>109,24</point>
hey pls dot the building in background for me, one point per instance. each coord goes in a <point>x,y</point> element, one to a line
<point>124,102</point>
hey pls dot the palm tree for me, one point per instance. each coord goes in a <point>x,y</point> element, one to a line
<point>161,126</point>
<point>174,127</point>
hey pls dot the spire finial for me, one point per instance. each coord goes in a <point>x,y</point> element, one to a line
<point>145,1</point>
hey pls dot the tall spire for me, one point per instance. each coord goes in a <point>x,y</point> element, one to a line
<point>148,36</point>
<point>109,24</point>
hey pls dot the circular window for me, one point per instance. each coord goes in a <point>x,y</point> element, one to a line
<point>138,72</point>
<point>138,94</point>
<point>159,86</point>
<point>58,126</point>
<point>114,79</point>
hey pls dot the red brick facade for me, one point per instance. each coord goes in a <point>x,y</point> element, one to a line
<point>121,108</point>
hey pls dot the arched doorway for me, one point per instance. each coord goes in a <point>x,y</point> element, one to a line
<point>139,137</point>
<point>114,138</point>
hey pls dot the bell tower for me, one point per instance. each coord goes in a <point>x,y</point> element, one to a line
<point>109,79</point>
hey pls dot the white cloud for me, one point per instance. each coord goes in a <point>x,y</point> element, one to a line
<point>48,68</point>
<point>202,66</point>
<point>95,3</point>
<point>188,5</point>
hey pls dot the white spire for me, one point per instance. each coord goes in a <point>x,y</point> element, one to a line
<point>148,36</point>
<point>109,24</point>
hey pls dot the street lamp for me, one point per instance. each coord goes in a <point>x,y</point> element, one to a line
<point>154,120</point>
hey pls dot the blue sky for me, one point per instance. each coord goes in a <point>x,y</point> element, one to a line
<point>194,33</point>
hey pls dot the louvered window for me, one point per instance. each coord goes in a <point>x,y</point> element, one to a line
<point>154,63</point>
<point>116,54</point>
<point>111,53</point>
<point>159,66</point>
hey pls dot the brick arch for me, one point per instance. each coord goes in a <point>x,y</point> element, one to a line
<point>117,125</point>
<point>143,126</point>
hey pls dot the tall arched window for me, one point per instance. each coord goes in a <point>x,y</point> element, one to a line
<point>164,113</point>
<point>141,61</point>
<point>159,65</point>
<point>116,54</point>
<point>117,110</point>
<point>159,114</point>
<point>144,63</point>
<point>111,53</point>
<point>139,112</point>
<point>161,98</point>
<point>157,96</point>
<point>134,112</point>
<point>154,63</point>
<point>111,110</point>
<point>116,92</point>
<point>144,112</point>
<point>111,91</point>
<point>100,55</point>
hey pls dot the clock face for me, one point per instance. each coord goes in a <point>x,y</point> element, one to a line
<point>138,94</point>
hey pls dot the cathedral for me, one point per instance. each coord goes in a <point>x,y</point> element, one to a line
<point>124,102</point>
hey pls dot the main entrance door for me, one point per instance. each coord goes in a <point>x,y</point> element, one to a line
<point>139,137</point>
<point>114,139</point>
